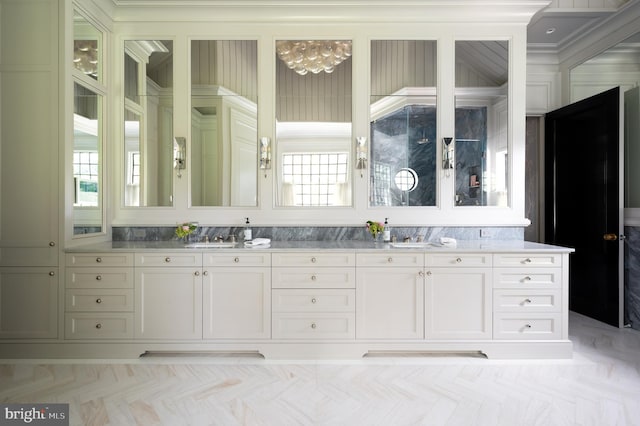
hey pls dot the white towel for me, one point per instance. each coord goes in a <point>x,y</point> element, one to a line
<point>448,242</point>
<point>257,242</point>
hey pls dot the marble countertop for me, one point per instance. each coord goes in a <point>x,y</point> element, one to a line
<point>462,246</point>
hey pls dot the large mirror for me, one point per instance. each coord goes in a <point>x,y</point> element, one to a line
<point>481,116</point>
<point>87,128</point>
<point>148,123</point>
<point>313,123</point>
<point>224,138</point>
<point>403,123</point>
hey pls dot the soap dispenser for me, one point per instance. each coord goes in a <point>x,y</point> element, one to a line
<point>247,230</point>
<point>386,233</point>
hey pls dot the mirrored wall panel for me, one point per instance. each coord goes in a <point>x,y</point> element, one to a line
<point>403,123</point>
<point>224,139</point>
<point>313,123</point>
<point>87,170</point>
<point>87,48</point>
<point>148,123</point>
<point>481,117</point>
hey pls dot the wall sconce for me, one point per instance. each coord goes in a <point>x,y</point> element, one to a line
<point>179,154</point>
<point>361,153</point>
<point>447,154</point>
<point>265,153</point>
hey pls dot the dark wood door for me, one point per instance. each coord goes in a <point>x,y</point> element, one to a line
<point>583,201</point>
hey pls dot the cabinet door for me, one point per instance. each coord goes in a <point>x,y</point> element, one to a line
<point>237,303</point>
<point>168,303</point>
<point>28,303</point>
<point>458,303</point>
<point>389,303</point>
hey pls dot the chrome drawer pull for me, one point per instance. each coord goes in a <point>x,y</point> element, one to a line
<point>527,278</point>
<point>52,274</point>
<point>527,300</point>
<point>167,259</point>
<point>98,300</point>
<point>421,274</point>
<point>99,259</point>
<point>98,326</point>
<point>313,278</point>
<point>313,260</point>
<point>390,260</point>
<point>236,259</point>
<point>313,300</point>
<point>527,326</point>
<point>205,273</point>
<point>313,325</point>
<point>99,278</point>
<point>458,260</point>
<point>197,273</point>
<point>527,260</point>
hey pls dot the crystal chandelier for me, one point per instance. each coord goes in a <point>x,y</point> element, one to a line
<point>85,56</point>
<point>313,55</point>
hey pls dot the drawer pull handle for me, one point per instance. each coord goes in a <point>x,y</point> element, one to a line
<point>205,273</point>
<point>98,326</point>
<point>390,260</point>
<point>52,274</point>
<point>99,259</point>
<point>527,300</point>
<point>313,300</point>
<point>98,300</point>
<point>527,326</point>
<point>313,325</point>
<point>167,259</point>
<point>527,278</point>
<point>236,259</point>
<point>527,260</point>
<point>421,274</point>
<point>458,260</point>
<point>197,273</point>
<point>52,244</point>
<point>313,278</point>
<point>313,260</point>
<point>98,277</point>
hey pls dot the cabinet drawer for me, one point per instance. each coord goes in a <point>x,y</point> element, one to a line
<point>323,300</point>
<point>526,301</point>
<point>333,259</point>
<point>313,326</point>
<point>169,259</point>
<point>458,259</point>
<point>99,259</point>
<point>522,278</point>
<point>390,259</point>
<point>526,326</point>
<point>99,300</point>
<point>99,278</point>
<point>98,326</point>
<point>313,278</point>
<point>236,259</point>
<point>527,259</point>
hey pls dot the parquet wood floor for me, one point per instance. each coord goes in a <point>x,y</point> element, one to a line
<point>600,386</point>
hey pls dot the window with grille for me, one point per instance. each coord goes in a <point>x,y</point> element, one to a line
<point>134,168</point>
<point>85,165</point>
<point>316,179</point>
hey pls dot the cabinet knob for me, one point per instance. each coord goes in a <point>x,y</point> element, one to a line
<point>205,273</point>
<point>99,259</point>
<point>313,260</point>
<point>52,274</point>
<point>98,326</point>
<point>313,325</point>
<point>458,260</point>
<point>390,259</point>
<point>527,260</point>
<point>99,278</point>
<point>167,259</point>
<point>313,278</point>
<point>527,278</point>
<point>236,259</point>
<point>527,326</point>
<point>527,300</point>
<point>197,273</point>
<point>428,273</point>
<point>52,243</point>
<point>98,300</point>
<point>313,300</point>
<point>421,274</point>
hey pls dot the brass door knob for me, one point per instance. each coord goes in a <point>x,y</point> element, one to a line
<point>610,237</point>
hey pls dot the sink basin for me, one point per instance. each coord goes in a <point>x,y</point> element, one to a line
<point>415,245</point>
<point>210,245</point>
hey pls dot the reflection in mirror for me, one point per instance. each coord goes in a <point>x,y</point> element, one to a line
<point>87,43</point>
<point>224,138</point>
<point>148,126</point>
<point>87,202</point>
<point>481,143</point>
<point>313,127</point>
<point>403,123</point>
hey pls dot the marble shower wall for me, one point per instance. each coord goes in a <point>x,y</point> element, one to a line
<point>315,233</point>
<point>632,276</point>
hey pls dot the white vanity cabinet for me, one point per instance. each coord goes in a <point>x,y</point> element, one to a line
<point>236,295</point>
<point>528,296</point>
<point>168,295</point>
<point>458,296</point>
<point>390,295</point>
<point>99,296</point>
<point>313,295</point>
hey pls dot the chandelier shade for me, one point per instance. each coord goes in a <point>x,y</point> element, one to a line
<point>315,56</point>
<point>85,56</point>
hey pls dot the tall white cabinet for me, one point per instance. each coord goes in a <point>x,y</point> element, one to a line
<point>29,186</point>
